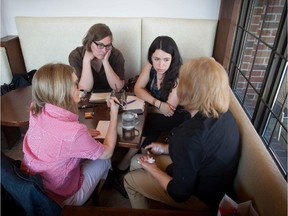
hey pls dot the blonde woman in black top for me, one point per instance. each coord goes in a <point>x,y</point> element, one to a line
<point>198,165</point>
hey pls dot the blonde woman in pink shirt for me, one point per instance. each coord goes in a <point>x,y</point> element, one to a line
<point>58,147</point>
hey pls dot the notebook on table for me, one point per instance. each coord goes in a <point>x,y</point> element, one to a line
<point>99,97</point>
<point>102,127</point>
<point>134,104</point>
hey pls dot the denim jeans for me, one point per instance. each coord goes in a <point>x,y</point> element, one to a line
<point>27,191</point>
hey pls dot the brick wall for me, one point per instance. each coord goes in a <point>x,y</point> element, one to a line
<point>264,21</point>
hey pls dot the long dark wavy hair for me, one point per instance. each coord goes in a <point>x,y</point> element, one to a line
<point>168,45</point>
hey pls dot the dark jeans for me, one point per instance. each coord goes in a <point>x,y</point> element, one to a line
<point>157,123</point>
<point>26,191</point>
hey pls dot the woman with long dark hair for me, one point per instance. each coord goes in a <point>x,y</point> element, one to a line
<point>157,85</point>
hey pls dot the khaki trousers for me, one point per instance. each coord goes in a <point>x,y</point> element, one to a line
<point>140,185</point>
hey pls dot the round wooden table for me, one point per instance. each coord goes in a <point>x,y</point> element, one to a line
<point>15,107</point>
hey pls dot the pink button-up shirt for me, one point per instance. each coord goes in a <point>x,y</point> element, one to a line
<point>53,147</point>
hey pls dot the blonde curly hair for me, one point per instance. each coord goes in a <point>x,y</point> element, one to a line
<point>204,86</point>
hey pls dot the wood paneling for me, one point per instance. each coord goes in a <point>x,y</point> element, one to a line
<point>14,54</point>
<point>226,29</point>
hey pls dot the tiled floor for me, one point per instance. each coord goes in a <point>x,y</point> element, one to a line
<point>108,197</point>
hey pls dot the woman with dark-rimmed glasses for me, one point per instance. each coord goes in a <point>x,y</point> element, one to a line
<point>99,66</point>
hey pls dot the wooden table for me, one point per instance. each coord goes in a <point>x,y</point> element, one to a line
<point>102,211</point>
<point>15,114</point>
<point>15,107</point>
<point>101,112</point>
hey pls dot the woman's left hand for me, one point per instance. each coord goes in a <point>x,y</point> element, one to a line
<point>147,163</point>
<point>93,132</point>
<point>114,107</point>
<point>167,109</point>
<point>106,57</point>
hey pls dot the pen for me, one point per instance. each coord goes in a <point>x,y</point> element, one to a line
<point>118,103</point>
<point>130,101</point>
<point>86,106</point>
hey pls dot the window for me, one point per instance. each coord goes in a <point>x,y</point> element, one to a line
<point>258,72</point>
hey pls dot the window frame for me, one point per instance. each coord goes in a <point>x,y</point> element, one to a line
<point>272,78</point>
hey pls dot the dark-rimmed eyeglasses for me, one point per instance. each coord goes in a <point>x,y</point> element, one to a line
<point>101,46</point>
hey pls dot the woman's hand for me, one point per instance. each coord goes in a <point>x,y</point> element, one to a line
<point>106,57</point>
<point>93,132</point>
<point>167,109</point>
<point>113,103</point>
<point>148,163</point>
<point>114,107</point>
<point>158,148</point>
<point>88,56</point>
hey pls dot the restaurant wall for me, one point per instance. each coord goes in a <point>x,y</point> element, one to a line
<point>187,9</point>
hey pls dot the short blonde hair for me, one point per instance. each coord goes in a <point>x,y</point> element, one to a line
<point>204,86</point>
<point>53,84</point>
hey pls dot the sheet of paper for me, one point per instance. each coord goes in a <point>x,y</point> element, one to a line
<point>138,104</point>
<point>103,128</point>
<point>99,97</point>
